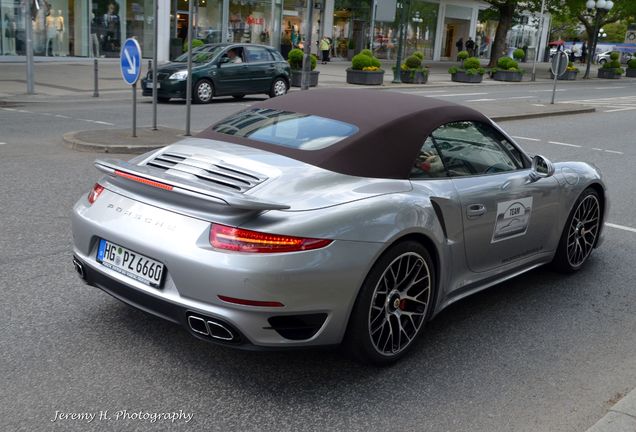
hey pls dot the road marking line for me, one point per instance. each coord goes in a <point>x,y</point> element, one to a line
<point>614,151</point>
<point>538,104</point>
<point>24,111</point>
<point>607,88</point>
<point>564,144</point>
<point>62,116</point>
<point>546,90</point>
<point>594,148</point>
<point>520,97</point>
<point>46,114</point>
<point>480,100</point>
<point>9,109</point>
<point>104,123</point>
<point>2,143</point>
<point>461,94</point>
<point>621,227</point>
<point>621,109</point>
<point>525,138</point>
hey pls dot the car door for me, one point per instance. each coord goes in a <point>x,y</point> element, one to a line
<point>232,78</point>
<point>507,214</point>
<point>262,68</point>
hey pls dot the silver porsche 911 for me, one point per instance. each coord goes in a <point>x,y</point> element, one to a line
<point>331,217</point>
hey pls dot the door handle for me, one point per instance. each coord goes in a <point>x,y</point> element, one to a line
<point>475,210</point>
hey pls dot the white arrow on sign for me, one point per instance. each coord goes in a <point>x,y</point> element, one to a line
<point>132,69</point>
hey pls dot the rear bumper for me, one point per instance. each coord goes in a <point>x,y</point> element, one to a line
<point>317,288</point>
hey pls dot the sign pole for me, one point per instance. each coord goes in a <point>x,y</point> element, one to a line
<point>559,61</point>
<point>130,67</point>
<point>154,66</point>
<point>28,26</point>
<point>189,78</point>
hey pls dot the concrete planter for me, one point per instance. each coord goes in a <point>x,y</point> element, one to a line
<point>365,77</point>
<point>296,78</point>
<point>511,76</point>
<point>608,74</point>
<point>413,77</point>
<point>629,72</point>
<point>567,76</point>
<point>461,76</point>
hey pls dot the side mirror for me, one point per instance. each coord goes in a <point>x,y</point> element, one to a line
<point>541,168</point>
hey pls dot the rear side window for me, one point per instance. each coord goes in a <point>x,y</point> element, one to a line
<point>258,54</point>
<point>284,128</point>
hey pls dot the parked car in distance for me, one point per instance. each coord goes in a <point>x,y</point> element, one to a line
<point>604,57</point>
<point>224,69</point>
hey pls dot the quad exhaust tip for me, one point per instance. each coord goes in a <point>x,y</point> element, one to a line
<point>211,328</point>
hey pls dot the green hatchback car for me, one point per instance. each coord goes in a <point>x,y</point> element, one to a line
<point>225,69</point>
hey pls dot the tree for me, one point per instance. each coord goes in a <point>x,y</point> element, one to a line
<point>623,10</point>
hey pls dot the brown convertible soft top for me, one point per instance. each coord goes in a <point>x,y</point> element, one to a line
<point>392,128</point>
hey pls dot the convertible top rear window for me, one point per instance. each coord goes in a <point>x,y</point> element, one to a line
<point>286,128</point>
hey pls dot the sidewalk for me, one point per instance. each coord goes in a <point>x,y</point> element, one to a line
<point>64,78</point>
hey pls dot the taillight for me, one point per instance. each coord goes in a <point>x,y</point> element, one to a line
<point>95,192</point>
<point>242,240</point>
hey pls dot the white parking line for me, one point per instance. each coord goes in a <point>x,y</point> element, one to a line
<point>9,109</point>
<point>607,88</point>
<point>480,100</point>
<point>62,116</point>
<point>594,148</point>
<point>526,138</point>
<point>621,109</point>
<point>2,143</point>
<point>104,123</point>
<point>520,97</point>
<point>460,94</point>
<point>538,104</point>
<point>564,144</point>
<point>620,227</point>
<point>614,151</point>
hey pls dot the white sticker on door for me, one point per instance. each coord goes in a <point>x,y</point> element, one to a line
<point>512,219</point>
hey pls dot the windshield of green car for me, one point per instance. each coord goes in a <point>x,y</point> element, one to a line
<point>200,56</point>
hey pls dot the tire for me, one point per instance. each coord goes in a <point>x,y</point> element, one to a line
<point>602,62</point>
<point>163,99</point>
<point>579,233</point>
<point>238,96</point>
<point>203,92</point>
<point>386,304</point>
<point>279,87</point>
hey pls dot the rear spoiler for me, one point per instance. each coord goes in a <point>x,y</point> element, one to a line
<point>142,174</point>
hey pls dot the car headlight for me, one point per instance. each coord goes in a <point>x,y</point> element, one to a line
<point>181,75</point>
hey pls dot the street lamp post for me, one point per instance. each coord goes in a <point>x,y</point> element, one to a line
<point>404,6</point>
<point>601,7</point>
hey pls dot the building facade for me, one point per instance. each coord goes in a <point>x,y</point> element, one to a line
<point>97,28</point>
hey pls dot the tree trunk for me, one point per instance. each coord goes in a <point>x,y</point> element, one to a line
<point>506,12</point>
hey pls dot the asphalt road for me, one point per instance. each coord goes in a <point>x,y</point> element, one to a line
<point>543,352</point>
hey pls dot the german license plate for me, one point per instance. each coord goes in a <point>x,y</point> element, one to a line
<point>129,263</point>
<point>149,85</point>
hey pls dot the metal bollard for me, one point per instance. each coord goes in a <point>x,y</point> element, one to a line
<point>96,79</point>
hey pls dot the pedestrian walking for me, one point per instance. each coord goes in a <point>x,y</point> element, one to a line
<point>583,52</point>
<point>325,46</point>
<point>460,46</point>
<point>470,47</point>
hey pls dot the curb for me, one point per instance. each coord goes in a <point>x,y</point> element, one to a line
<point>501,118</point>
<point>620,418</point>
<point>74,142</point>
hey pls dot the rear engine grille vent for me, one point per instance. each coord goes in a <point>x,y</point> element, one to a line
<point>212,173</point>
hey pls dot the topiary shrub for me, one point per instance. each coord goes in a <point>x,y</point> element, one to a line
<point>472,63</point>
<point>519,54</point>
<point>195,43</point>
<point>419,55</point>
<point>462,55</point>
<point>506,63</point>
<point>413,62</point>
<point>367,52</point>
<point>614,55</point>
<point>295,58</point>
<point>632,63</point>
<point>360,61</point>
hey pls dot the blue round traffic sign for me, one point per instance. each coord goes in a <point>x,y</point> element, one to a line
<point>130,61</point>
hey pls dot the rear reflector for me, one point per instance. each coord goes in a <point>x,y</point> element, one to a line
<point>251,302</point>
<point>242,240</point>
<point>95,192</point>
<point>143,180</point>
